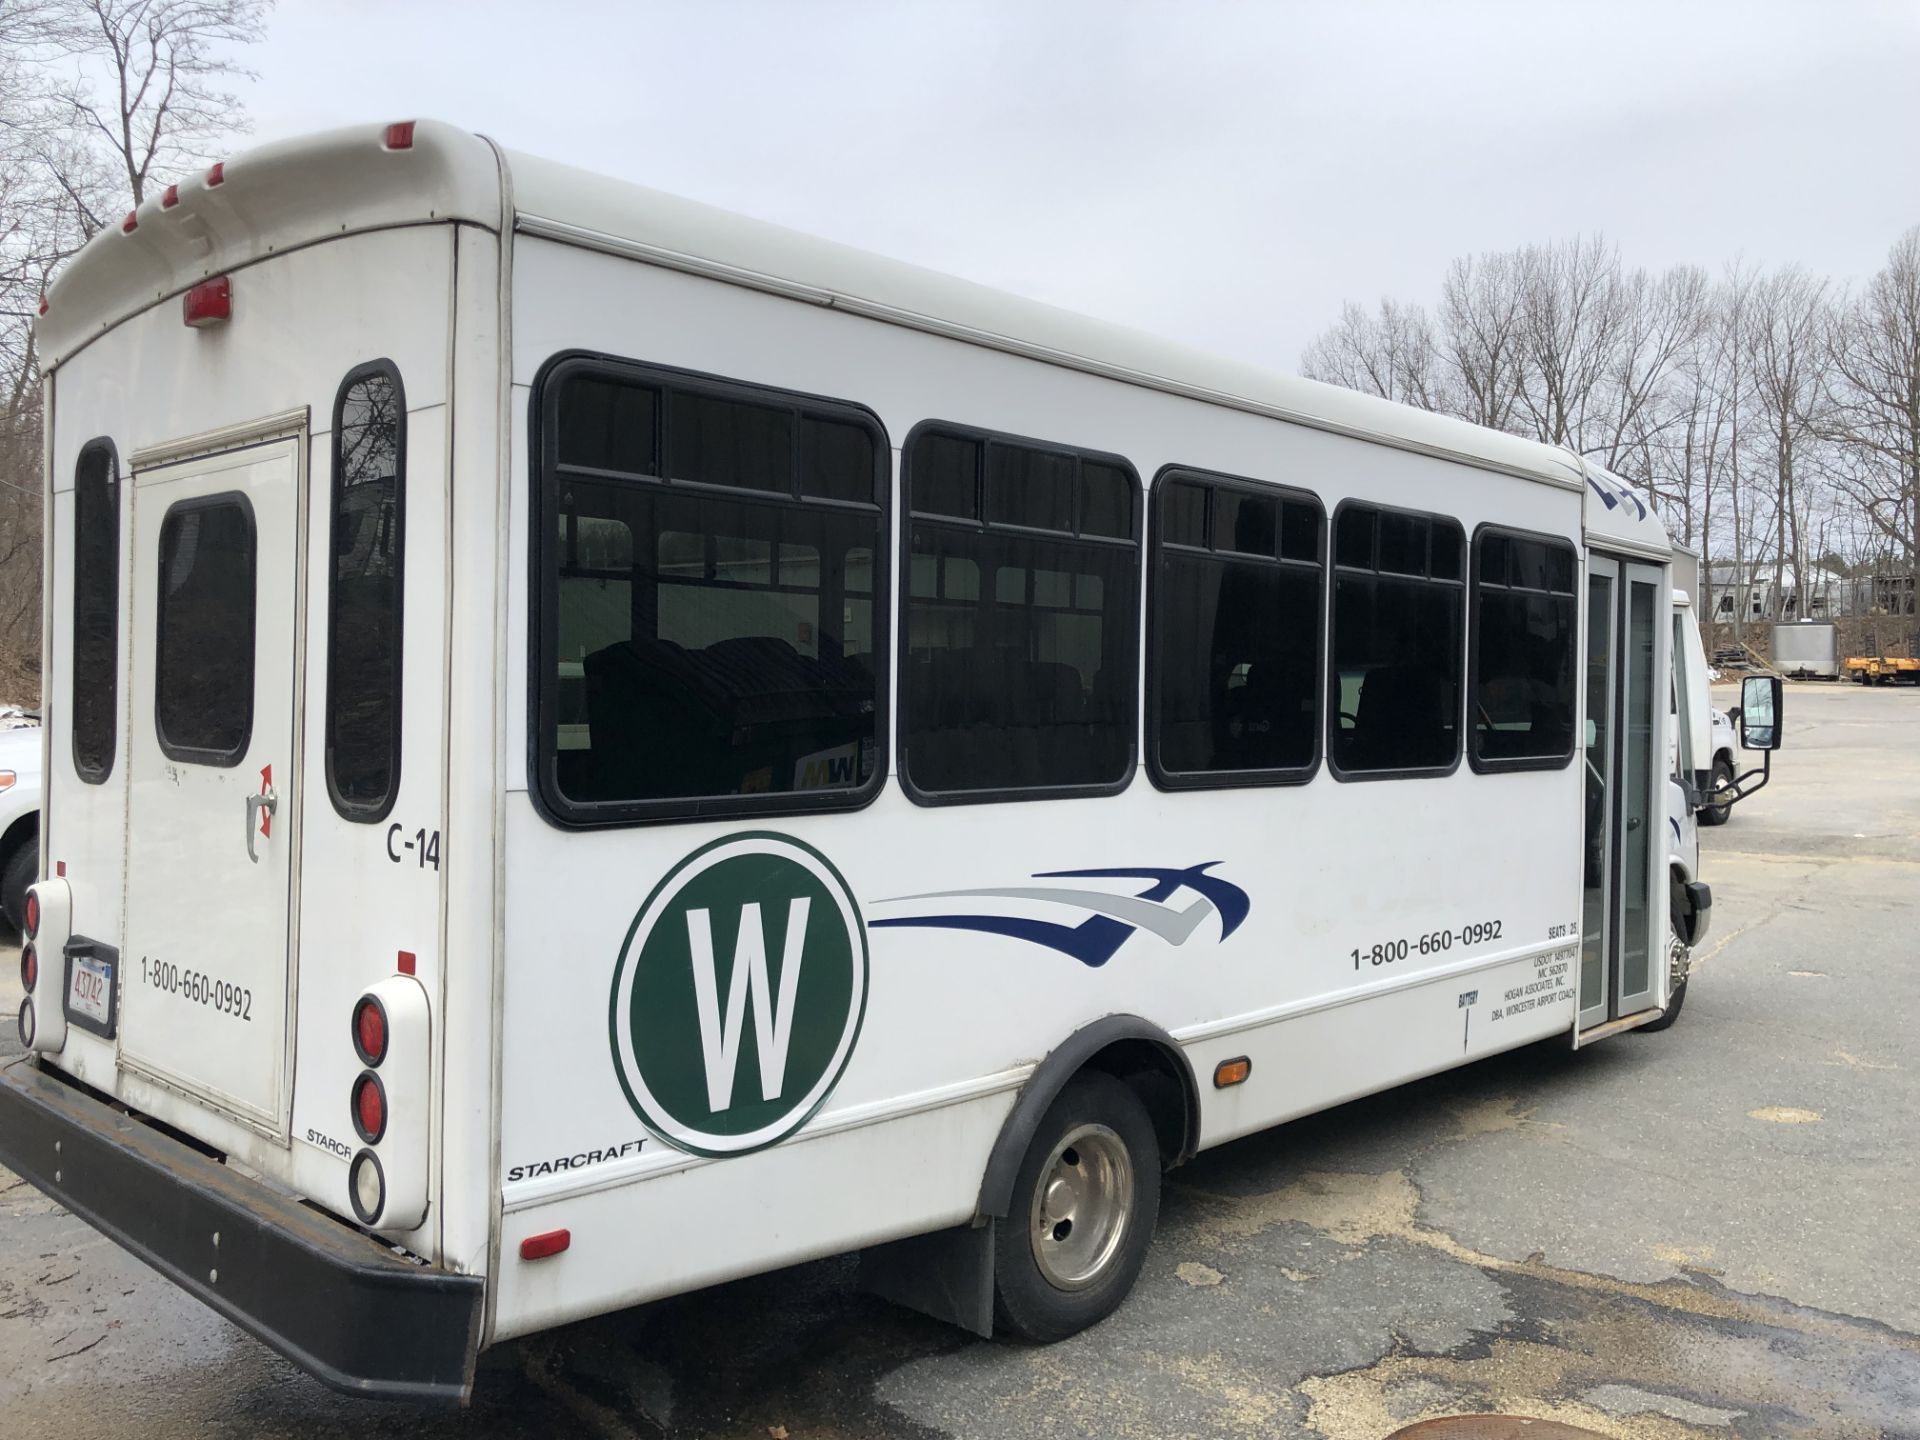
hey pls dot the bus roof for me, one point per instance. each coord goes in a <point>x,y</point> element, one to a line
<point>320,187</point>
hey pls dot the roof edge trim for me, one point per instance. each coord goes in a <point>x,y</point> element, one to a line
<point>562,232</point>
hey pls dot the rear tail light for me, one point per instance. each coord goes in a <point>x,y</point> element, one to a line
<point>29,968</point>
<point>370,1031</point>
<point>367,1187</point>
<point>27,1026</point>
<point>33,915</point>
<point>370,1107</point>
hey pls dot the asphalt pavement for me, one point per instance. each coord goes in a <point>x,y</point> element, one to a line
<point>1709,1232</point>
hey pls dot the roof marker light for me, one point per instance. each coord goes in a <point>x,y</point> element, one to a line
<point>171,198</point>
<point>43,305</point>
<point>131,223</point>
<point>400,135</point>
<point>216,174</point>
<point>208,303</point>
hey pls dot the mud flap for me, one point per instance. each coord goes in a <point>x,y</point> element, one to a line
<point>948,1275</point>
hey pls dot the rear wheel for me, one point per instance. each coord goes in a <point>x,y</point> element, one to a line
<point>1084,1206</point>
<point>22,869</point>
<point>1716,814</point>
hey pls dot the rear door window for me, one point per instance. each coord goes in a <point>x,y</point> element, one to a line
<point>203,679</point>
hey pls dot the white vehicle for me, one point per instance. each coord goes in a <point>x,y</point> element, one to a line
<point>19,818</point>
<point>747,751</point>
<point>1724,751</point>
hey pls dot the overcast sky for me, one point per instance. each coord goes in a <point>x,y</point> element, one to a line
<point>1222,173</point>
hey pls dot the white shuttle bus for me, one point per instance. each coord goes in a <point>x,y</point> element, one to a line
<point>745,751</point>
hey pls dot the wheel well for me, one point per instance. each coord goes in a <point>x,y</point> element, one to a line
<point>26,828</point>
<point>1164,1086</point>
<point>1136,1052</point>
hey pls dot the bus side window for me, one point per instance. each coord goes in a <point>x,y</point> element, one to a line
<point>708,639</point>
<point>1020,618</point>
<point>1521,705</point>
<point>1399,596</point>
<point>1236,592</point>
<point>96,610</point>
<point>365,608</point>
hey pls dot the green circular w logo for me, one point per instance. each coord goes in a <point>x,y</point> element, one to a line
<point>738,994</point>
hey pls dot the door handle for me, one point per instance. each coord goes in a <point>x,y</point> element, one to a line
<point>267,801</point>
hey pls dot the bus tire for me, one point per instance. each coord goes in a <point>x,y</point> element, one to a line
<point>1711,814</point>
<point>1665,1022</point>
<point>1085,1201</point>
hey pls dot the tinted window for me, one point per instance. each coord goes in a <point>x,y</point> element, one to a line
<point>1397,662</point>
<point>364,614</point>
<point>1524,629</point>
<point>1236,632</point>
<point>96,611</point>
<point>709,642</point>
<point>203,668</point>
<point>1020,635</point>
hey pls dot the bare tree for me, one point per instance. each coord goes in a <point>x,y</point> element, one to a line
<point>1873,404</point>
<point>1789,356</point>
<point>97,98</point>
<point>150,87</point>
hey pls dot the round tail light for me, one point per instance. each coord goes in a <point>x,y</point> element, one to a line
<point>369,1107</point>
<point>370,1031</point>
<point>33,915</point>
<point>29,967</point>
<point>27,1025</point>
<point>367,1187</point>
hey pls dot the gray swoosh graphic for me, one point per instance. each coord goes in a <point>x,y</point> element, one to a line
<point>1173,926</point>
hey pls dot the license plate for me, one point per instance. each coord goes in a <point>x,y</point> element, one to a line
<point>90,990</point>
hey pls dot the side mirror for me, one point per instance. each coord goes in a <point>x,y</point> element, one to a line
<point>1760,712</point>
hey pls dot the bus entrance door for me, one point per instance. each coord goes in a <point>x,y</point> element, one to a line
<point>1622,899</point>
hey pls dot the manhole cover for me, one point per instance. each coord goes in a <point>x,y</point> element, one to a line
<point>1493,1427</point>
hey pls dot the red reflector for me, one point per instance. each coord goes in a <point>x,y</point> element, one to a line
<point>406,962</point>
<point>131,223</point>
<point>60,868</point>
<point>29,969</point>
<point>216,173</point>
<point>539,1247</point>
<point>33,915</point>
<point>369,1108</point>
<point>208,303</point>
<point>400,135</point>
<point>171,198</point>
<point>370,1031</point>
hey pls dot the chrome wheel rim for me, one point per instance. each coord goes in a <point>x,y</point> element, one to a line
<point>1082,1207</point>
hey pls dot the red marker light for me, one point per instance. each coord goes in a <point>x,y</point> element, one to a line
<point>209,303</point>
<point>171,198</point>
<point>369,1107</point>
<point>43,304</point>
<point>400,135</point>
<point>370,1030</point>
<point>539,1247</point>
<point>216,173</point>
<point>131,223</point>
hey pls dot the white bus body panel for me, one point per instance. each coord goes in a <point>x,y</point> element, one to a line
<point>956,1020</point>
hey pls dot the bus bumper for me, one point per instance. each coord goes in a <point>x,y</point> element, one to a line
<point>342,1306</point>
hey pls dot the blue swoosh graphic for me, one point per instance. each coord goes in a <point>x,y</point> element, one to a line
<point>1097,939</point>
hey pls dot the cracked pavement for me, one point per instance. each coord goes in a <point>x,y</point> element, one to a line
<point>1709,1232</point>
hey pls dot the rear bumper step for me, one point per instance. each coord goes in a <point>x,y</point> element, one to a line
<point>341,1306</point>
